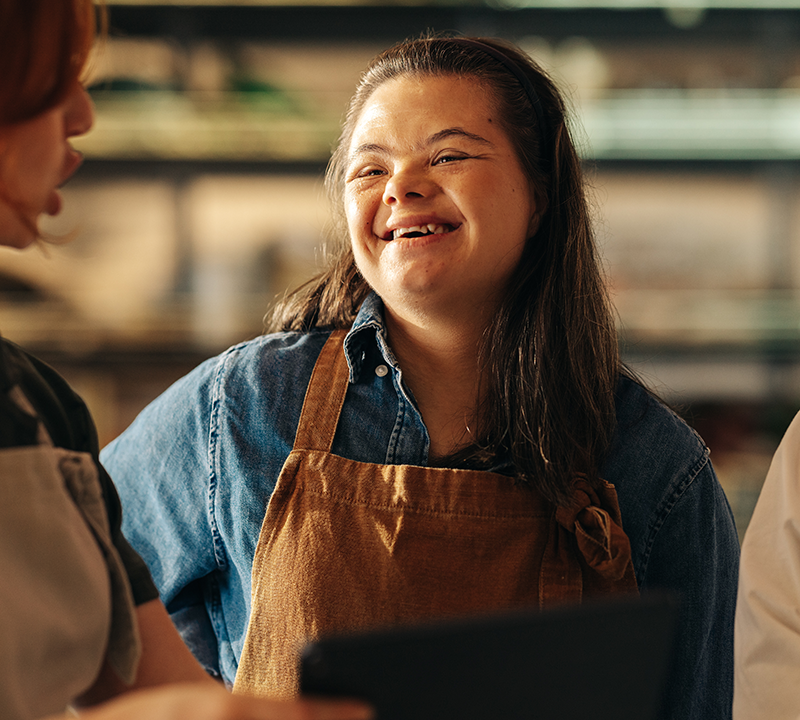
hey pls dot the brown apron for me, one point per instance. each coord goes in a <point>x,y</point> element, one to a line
<point>352,545</point>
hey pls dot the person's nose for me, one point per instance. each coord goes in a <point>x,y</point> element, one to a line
<point>407,184</point>
<point>78,112</point>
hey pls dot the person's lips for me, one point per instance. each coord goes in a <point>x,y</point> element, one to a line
<point>71,164</point>
<point>73,161</point>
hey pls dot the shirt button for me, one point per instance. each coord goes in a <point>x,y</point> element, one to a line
<point>381,371</point>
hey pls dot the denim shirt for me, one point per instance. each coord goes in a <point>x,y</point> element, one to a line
<point>196,469</point>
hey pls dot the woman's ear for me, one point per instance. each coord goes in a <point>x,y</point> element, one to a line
<point>539,205</point>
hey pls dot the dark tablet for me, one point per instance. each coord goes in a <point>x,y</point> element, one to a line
<point>596,661</point>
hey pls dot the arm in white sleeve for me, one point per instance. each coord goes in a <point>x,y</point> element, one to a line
<point>767,634</point>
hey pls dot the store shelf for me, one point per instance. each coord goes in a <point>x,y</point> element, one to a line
<point>727,125</point>
<point>711,318</point>
<point>173,126</point>
<point>630,125</point>
<point>386,21</point>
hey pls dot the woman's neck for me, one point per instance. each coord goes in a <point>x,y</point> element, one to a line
<point>440,365</point>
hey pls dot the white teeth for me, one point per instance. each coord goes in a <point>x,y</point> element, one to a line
<point>429,229</point>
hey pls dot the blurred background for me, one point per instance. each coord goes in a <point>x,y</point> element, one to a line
<point>201,199</point>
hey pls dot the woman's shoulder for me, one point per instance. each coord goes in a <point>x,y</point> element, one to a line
<point>61,409</point>
<point>665,483</point>
<point>269,359</point>
<point>647,427</point>
<point>244,378</point>
<point>279,347</point>
<point>654,452</point>
<point>18,366</point>
<point>264,377</point>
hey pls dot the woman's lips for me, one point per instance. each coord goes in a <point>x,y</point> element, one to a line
<point>73,161</point>
<point>55,202</point>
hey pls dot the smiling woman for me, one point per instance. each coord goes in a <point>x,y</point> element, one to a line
<point>440,424</point>
<point>438,209</point>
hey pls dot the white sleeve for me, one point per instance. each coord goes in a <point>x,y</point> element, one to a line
<point>767,634</point>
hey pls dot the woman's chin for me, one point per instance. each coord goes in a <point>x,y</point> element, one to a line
<point>15,234</point>
<point>19,242</point>
<point>54,203</point>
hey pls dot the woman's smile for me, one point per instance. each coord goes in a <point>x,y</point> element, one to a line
<point>418,231</point>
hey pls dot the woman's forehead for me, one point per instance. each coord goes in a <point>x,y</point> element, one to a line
<point>434,85</point>
<point>411,101</point>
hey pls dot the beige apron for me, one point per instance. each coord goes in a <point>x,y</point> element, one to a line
<point>65,600</point>
<point>352,545</point>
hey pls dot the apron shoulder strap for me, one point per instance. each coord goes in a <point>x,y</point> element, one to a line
<point>324,397</point>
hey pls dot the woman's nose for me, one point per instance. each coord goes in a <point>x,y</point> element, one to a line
<point>78,112</point>
<point>405,185</point>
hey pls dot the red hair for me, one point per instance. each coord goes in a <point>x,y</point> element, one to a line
<point>44,45</point>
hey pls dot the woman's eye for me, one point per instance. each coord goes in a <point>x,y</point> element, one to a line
<point>443,159</point>
<point>368,172</point>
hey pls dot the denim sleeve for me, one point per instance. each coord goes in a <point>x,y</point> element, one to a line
<point>693,551</point>
<point>160,466</point>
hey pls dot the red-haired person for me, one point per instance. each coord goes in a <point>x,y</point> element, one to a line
<point>80,618</point>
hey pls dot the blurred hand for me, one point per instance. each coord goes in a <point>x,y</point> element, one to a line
<point>202,701</point>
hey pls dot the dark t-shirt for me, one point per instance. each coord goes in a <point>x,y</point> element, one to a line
<point>69,424</point>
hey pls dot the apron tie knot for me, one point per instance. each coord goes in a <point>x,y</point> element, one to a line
<point>601,540</point>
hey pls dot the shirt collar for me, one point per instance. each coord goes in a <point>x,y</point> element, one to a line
<point>368,329</point>
<point>367,334</point>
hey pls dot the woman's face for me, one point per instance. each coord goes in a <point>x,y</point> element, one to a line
<point>35,159</point>
<point>437,204</point>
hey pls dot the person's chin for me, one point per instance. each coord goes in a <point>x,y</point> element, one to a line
<point>16,235</point>
<point>18,243</point>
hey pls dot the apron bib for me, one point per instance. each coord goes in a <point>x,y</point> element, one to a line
<point>347,545</point>
<point>64,594</point>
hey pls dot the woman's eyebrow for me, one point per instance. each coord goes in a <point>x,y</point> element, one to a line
<point>368,148</point>
<point>378,149</point>
<point>457,132</point>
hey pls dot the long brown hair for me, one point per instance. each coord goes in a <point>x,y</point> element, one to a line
<point>550,355</point>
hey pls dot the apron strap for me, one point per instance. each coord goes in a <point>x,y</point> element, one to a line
<point>324,397</point>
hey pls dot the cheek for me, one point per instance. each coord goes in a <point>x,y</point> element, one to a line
<point>351,212</point>
<point>360,214</point>
<point>29,178</point>
<point>355,223</point>
<point>10,163</point>
<point>518,214</point>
